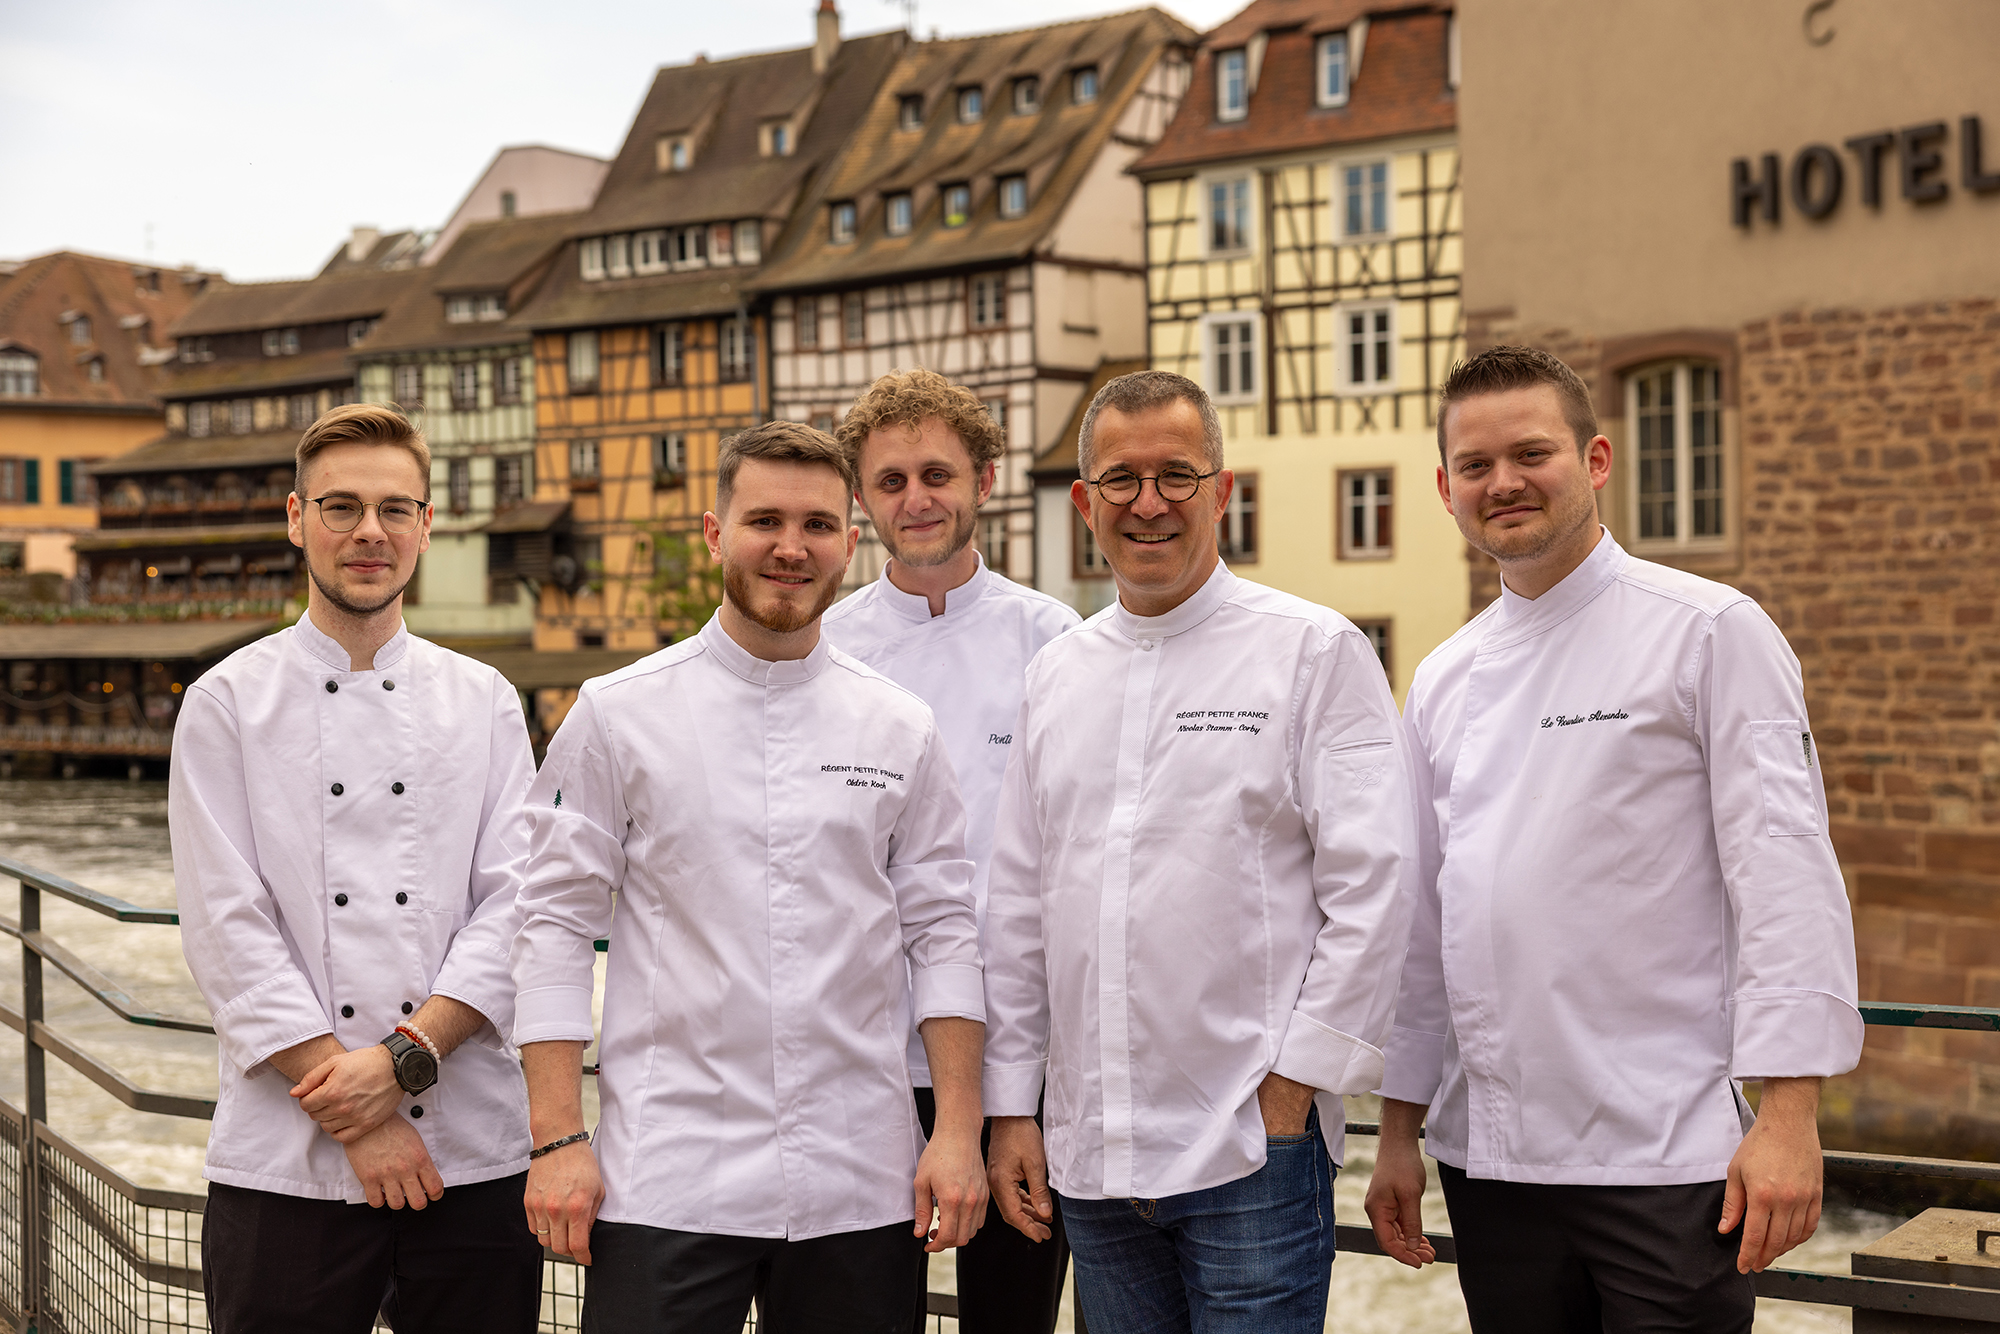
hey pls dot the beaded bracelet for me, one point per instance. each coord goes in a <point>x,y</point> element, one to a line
<point>422,1039</point>
<point>555,1144</point>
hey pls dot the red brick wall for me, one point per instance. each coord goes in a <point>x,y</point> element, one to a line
<point>1870,468</point>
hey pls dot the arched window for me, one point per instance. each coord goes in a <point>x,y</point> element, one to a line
<point>1679,485</point>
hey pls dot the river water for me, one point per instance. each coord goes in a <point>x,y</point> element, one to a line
<point>112,836</point>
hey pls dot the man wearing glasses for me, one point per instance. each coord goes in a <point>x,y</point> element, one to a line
<point>348,826</point>
<point>1197,906</point>
<point>959,635</point>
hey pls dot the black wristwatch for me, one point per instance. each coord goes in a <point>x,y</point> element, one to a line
<point>416,1069</point>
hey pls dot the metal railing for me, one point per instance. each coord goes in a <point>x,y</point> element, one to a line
<point>82,1247</point>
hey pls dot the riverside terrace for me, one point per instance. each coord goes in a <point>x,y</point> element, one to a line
<point>82,1247</point>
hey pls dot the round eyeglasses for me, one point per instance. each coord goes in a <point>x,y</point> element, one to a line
<point>342,514</point>
<point>1121,487</point>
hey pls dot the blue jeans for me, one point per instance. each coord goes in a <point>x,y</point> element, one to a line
<point>1252,1255</point>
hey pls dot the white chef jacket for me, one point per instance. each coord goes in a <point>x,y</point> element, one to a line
<point>970,665</point>
<point>1198,878</point>
<point>781,837</point>
<point>1627,895</point>
<point>347,844</point>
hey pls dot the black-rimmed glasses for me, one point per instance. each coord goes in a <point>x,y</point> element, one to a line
<point>342,514</point>
<point>1122,487</point>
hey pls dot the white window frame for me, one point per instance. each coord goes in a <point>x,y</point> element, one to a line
<point>993,536</point>
<point>463,372</point>
<point>735,350</point>
<point>590,258</point>
<point>675,152</point>
<point>805,324</point>
<point>20,373</point>
<point>1330,54</point>
<point>1345,192</point>
<point>850,302</point>
<point>1087,559</point>
<point>910,111</point>
<point>986,296</point>
<point>1206,219</point>
<point>969,103</point>
<point>899,214</point>
<point>1370,507</point>
<point>1683,538</point>
<point>1013,196</point>
<point>585,462</point>
<point>649,252</point>
<point>1232,84</point>
<point>618,256</point>
<point>409,376</point>
<point>840,222</point>
<point>1025,95</point>
<point>749,242</point>
<point>1240,513</point>
<point>1083,85</point>
<point>1373,381</point>
<point>670,455</point>
<point>965,215</point>
<point>582,349</point>
<point>1213,350</point>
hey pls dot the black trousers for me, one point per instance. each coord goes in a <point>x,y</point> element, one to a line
<point>654,1280</point>
<point>279,1264</point>
<point>1006,1283</point>
<point>1537,1259</point>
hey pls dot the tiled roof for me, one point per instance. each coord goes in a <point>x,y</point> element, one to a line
<point>507,256</point>
<point>1401,88</point>
<point>722,104</point>
<point>39,300</point>
<point>171,453</point>
<point>264,375</point>
<point>1053,146</point>
<point>346,294</point>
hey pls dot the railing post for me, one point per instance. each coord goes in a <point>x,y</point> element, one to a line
<point>36,1075</point>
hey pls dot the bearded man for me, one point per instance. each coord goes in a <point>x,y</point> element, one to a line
<point>942,623</point>
<point>346,811</point>
<point>785,841</point>
<point>1627,906</point>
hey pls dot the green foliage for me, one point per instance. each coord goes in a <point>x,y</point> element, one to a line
<point>687,583</point>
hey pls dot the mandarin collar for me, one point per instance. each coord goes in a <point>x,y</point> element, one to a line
<point>1199,607</point>
<point>324,647</point>
<point>715,640</point>
<point>1521,616</point>
<point>917,607</point>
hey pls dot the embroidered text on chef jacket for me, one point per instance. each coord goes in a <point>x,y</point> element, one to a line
<point>1627,894</point>
<point>1197,879</point>
<point>782,837</point>
<point>347,844</point>
<point>970,665</point>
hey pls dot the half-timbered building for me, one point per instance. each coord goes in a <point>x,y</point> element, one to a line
<point>980,224</point>
<point>1303,265</point>
<point>648,344</point>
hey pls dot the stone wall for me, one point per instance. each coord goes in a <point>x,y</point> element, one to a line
<point>1870,466</point>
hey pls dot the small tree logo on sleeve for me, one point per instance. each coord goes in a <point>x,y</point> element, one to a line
<point>558,796</point>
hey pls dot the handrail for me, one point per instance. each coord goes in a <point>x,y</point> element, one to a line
<point>97,1072</point>
<point>115,998</point>
<point>1892,1014</point>
<point>107,904</point>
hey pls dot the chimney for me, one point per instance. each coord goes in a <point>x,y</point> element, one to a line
<point>826,38</point>
<point>361,242</point>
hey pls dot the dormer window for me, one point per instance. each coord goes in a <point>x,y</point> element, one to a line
<point>1027,96</point>
<point>957,205</point>
<point>1232,84</point>
<point>775,139</point>
<point>1083,85</point>
<point>971,105</point>
<point>1332,66</point>
<point>898,213</point>
<point>749,242</point>
<point>674,152</point>
<point>840,225</point>
<point>475,309</point>
<point>79,330</point>
<point>358,330</point>
<point>910,112</point>
<point>94,370</point>
<point>590,258</point>
<point>1013,196</point>
<point>19,374</point>
<point>281,342</point>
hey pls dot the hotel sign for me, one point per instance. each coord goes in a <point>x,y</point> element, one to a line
<point>1913,160</point>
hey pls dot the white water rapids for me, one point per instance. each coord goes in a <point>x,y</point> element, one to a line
<point>112,836</point>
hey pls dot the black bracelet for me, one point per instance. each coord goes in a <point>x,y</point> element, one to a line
<point>555,1144</point>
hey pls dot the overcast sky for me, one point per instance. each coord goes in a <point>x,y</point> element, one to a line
<point>249,137</point>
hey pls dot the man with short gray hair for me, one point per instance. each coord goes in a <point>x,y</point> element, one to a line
<point>1196,910</point>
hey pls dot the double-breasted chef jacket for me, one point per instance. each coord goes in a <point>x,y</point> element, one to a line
<point>970,665</point>
<point>346,845</point>
<point>1198,878</point>
<point>1627,896</point>
<point>787,848</point>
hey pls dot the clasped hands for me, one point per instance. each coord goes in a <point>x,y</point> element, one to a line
<point>353,1096</point>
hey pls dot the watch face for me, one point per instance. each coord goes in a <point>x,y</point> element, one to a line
<point>416,1070</point>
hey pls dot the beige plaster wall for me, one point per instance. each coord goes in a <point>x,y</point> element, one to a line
<point>1598,136</point>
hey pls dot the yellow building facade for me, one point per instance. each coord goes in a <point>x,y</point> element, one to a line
<point>1304,260</point>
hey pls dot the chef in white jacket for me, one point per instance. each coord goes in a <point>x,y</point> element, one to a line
<point>784,840</point>
<point>1197,906</point>
<point>960,636</point>
<point>348,827</point>
<point>1629,904</point>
